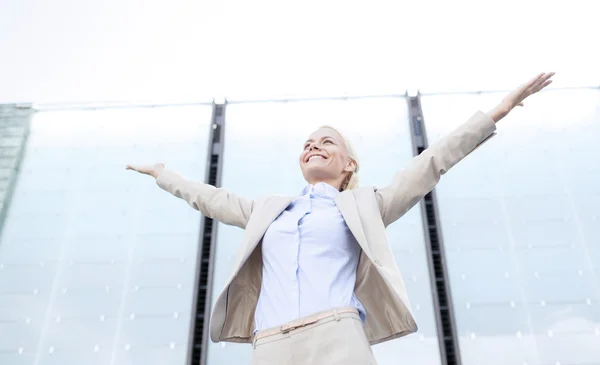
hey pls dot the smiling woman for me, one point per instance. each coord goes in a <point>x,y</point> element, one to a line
<point>315,281</point>
<point>330,157</point>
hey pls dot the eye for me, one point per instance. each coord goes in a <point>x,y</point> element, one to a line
<point>306,146</point>
<point>328,141</point>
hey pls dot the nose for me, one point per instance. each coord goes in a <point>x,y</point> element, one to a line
<point>313,147</point>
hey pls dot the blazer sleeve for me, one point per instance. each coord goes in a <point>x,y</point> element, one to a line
<point>410,185</point>
<point>215,203</point>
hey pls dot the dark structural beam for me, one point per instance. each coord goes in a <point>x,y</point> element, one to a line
<point>200,330</point>
<point>440,285</point>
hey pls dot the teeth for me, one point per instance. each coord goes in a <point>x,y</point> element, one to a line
<point>312,157</point>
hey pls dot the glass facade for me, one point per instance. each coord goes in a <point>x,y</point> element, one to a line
<point>521,230</point>
<point>97,264</point>
<point>262,145</point>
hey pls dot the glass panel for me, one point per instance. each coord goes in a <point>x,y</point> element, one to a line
<point>520,227</point>
<point>262,138</point>
<point>97,264</point>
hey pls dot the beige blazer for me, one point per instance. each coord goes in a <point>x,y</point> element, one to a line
<point>367,212</point>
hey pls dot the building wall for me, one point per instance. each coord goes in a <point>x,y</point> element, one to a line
<point>97,264</point>
<point>520,226</point>
<point>14,128</point>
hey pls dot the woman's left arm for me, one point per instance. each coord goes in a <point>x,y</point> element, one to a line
<point>420,177</point>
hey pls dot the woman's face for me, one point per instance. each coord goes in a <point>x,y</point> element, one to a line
<point>325,158</point>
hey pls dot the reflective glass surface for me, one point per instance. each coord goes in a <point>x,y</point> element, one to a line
<point>97,263</point>
<point>520,226</point>
<point>262,146</point>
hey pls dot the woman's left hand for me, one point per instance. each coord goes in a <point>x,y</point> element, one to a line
<point>516,97</point>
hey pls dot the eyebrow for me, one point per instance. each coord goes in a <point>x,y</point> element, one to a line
<point>310,140</point>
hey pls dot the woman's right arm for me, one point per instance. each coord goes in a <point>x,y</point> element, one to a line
<point>215,203</point>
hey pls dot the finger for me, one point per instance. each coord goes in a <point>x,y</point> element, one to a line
<point>545,78</point>
<point>540,83</point>
<point>541,86</point>
<point>528,88</point>
<point>535,79</point>
<point>548,82</point>
<point>549,75</point>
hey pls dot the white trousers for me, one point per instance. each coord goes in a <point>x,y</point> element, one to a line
<point>335,340</point>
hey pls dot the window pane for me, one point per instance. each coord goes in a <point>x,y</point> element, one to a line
<point>97,264</point>
<point>262,145</point>
<point>520,227</point>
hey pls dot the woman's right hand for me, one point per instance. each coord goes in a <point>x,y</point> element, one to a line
<point>152,170</point>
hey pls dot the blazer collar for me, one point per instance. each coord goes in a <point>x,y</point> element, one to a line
<point>320,189</point>
<point>345,202</point>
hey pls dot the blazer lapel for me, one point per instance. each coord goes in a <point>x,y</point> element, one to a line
<point>266,216</point>
<point>347,206</point>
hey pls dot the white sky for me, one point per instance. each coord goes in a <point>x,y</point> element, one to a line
<point>190,50</point>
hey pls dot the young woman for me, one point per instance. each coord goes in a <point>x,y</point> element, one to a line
<point>315,281</point>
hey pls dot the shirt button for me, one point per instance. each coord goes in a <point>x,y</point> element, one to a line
<point>378,262</point>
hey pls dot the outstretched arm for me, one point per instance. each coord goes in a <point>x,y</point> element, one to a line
<point>420,177</point>
<point>216,203</point>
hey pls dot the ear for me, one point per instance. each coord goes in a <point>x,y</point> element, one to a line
<point>350,166</point>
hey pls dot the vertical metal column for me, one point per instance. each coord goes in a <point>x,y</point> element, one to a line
<point>442,300</point>
<point>200,328</point>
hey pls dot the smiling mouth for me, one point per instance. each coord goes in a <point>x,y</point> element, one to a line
<point>315,157</point>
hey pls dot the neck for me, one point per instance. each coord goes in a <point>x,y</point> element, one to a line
<point>336,183</point>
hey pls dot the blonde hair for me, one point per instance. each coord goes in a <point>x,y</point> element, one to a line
<point>351,181</point>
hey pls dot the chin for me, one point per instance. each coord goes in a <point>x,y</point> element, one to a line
<point>315,168</point>
<point>316,172</point>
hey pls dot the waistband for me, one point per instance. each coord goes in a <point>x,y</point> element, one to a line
<point>304,321</point>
